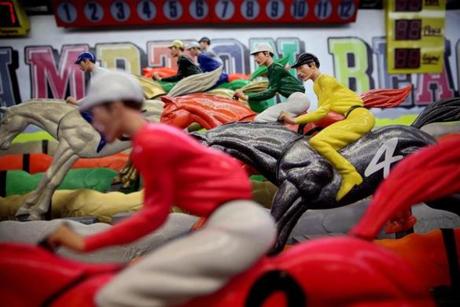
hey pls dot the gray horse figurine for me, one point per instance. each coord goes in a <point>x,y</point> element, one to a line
<point>308,181</point>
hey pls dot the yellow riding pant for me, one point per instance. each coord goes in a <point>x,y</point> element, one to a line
<point>340,134</point>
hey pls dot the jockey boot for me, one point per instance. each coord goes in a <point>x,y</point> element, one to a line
<point>349,174</point>
<point>349,180</point>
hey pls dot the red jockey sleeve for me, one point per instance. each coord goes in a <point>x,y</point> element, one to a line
<point>157,172</point>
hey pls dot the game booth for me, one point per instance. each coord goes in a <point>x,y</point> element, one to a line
<point>253,153</point>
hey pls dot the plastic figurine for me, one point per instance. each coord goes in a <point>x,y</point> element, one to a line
<point>305,179</point>
<point>389,275</point>
<point>185,66</point>
<point>176,170</point>
<point>280,80</point>
<point>76,138</point>
<point>332,96</point>
<point>211,111</point>
<point>207,63</point>
<point>205,43</point>
<point>87,63</point>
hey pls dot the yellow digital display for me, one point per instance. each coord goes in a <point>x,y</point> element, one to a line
<point>13,19</point>
<point>415,35</point>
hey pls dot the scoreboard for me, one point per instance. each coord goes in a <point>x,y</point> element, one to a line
<point>13,19</point>
<point>415,34</point>
<point>103,13</point>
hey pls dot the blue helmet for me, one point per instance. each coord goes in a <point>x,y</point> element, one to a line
<point>86,56</point>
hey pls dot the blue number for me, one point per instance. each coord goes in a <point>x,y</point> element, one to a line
<point>224,12</point>
<point>274,9</point>
<point>299,8</point>
<point>250,9</point>
<point>173,9</point>
<point>121,10</point>
<point>146,9</point>
<point>322,9</point>
<point>345,9</point>
<point>67,12</point>
<point>93,8</point>
<point>199,8</point>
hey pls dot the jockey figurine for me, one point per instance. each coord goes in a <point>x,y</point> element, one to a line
<point>205,42</point>
<point>280,80</point>
<point>207,63</point>
<point>333,96</point>
<point>87,63</point>
<point>177,170</point>
<point>185,66</point>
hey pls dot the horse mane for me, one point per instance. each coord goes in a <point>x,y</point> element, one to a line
<point>429,174</point>
<point>439,111</point>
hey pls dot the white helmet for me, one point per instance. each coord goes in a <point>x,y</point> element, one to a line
<point>112,86</point>
<point>193,45</point>
<point>263,47</point>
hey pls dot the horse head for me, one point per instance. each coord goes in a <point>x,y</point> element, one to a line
<point>174,114</point>
<point>10,126</point>
<point>207,110</point>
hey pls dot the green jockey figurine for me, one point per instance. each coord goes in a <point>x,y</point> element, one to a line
<point>280,80</point>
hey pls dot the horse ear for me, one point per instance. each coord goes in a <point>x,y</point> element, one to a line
<point>168,100</point>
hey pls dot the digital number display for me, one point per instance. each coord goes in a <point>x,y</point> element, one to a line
<point>408,5</point>
<point>8,17</point>
<point>407,58</point>
<point>408,29</point>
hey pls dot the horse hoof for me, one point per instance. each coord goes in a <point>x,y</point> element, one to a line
<point>276,249</point>
<point>27,217</point>
<point>23,217</point>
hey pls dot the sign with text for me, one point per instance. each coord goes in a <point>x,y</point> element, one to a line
<point>415,32</point>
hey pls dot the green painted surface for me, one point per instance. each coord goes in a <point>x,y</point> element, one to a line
<point>99,179</point>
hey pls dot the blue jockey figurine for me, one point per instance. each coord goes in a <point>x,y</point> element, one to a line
<point>207,62</point>
<point>87,63</point>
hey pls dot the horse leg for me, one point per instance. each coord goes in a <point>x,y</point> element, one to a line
<point>284,197</point>
<point>27,211</point>
<point>285,229</point>
<point>285,206</point>
<point>451,204</point>
<point>43,205</point>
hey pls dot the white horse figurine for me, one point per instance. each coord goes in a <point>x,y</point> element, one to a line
<point>76,137</point>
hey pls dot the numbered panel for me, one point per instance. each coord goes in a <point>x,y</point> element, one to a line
<point>177,13</point>
<point>415,32</point>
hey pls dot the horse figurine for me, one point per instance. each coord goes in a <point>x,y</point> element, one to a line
<point>320,272</point>
<point>210,111</point>
<point>305,179</point>
<point>76,137</point>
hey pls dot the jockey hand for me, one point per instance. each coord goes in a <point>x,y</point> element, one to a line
<point>156,76</point>
<point>240,95</point>
<point>284,116</point>
<point>64,236</point>
<point>71,100</point>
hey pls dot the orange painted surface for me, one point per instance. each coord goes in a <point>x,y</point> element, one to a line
<point>40,162</point>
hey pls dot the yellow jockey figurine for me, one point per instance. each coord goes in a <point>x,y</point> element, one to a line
<point>333,96</point>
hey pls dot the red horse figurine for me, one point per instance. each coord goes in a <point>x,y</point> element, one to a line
<point>341,271</point>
